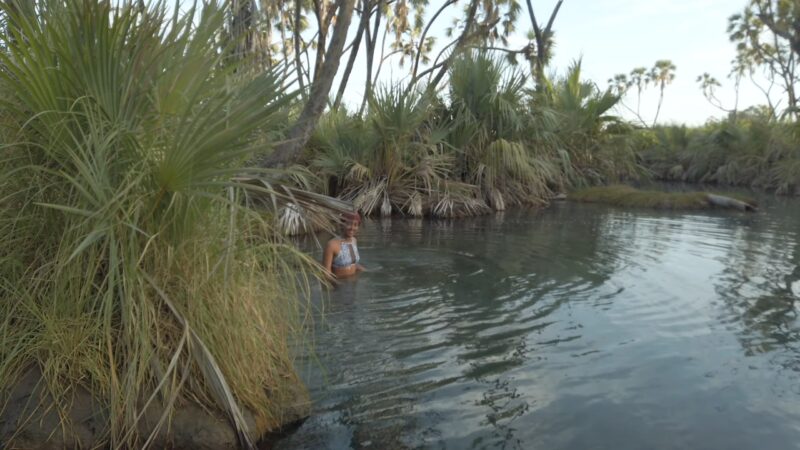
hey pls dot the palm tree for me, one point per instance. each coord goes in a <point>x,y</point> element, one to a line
<point>662,74</point>
<point>596,145</point>
<point>488,108</point>
<point>130,264</point>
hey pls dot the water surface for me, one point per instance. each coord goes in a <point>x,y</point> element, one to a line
<point>574,327</point>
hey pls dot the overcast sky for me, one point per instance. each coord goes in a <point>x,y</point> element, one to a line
<point>615,36</point>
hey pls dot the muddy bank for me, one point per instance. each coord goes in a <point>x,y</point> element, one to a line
<point>28,420</point>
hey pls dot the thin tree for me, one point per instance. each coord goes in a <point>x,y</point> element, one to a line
<point>767,36</point>
<point>544,40</point>
<point>662,74</point>
<point>366,12</point>
<point>289,151</point>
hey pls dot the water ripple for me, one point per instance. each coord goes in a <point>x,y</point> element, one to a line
<point>579,326</point>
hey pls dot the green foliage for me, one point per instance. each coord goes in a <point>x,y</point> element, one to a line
<point>594,146</point>
<point>391,161</point>
<point>489,124</point>
<point>750,151</point>
<point>129,264</point>
<point>489,144</point>
<point>341,147</point>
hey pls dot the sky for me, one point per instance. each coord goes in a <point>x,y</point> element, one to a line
<point>615,36</point>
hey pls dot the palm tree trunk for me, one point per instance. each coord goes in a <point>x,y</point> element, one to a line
<point>323,29</point>
<point>660,100</point>
<point>366,11</point>
<point>297,137</point>
<point>371,41</point>
<point>471,12</point>
<point>242,22</point>
<point>542,38</point>
<point>298,14</point>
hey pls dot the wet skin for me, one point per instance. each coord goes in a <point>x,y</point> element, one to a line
<point>334,246</point>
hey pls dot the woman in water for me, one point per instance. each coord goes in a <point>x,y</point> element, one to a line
<point>340,258</point>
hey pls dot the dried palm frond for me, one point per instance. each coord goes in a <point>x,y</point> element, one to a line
<point>496,200</point>
<point>414,205</point>
<point>386,205</point>
<point>367,197</point>
<point>297,211</point>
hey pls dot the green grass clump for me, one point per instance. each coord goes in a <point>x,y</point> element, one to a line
<point>128,263</point>
<point>627,196</point>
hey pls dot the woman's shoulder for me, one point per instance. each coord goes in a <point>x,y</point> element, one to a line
<point>334,243</point>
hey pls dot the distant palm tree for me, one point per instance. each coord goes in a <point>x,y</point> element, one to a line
<point>662,74</point>
<point>639,78</point>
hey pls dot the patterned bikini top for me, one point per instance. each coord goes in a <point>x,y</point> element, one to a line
<point>348,255</point>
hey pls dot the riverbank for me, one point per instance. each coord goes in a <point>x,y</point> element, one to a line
<point>26,422</point>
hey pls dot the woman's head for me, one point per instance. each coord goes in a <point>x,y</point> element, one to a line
<point>350,223</point>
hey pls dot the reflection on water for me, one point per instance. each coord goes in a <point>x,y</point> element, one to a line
<point>580,326</point>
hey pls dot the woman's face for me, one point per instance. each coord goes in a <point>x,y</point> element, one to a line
<point>350,228</point>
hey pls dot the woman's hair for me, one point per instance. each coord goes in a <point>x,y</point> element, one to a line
<point>353,216</point>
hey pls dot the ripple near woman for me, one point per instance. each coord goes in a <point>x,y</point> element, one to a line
<point>340,258</point>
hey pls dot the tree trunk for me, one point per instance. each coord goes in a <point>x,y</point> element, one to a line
<point>366,11</point>
<point>289,151</point>
<point>242,22</point>
<point>372,39</point>
<point>323,29</point>
<point>471,12</point>
<point>298,14</point>
<point>728,202</point>
<point>542,38</point>
<point>415,67</point>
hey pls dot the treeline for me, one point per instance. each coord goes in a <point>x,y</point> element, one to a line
<point>752,150</point>
<point>472,130</point>
<point>492,141</point>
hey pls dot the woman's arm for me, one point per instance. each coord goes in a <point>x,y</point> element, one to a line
<point>359,267</point>
<point>327,257</point>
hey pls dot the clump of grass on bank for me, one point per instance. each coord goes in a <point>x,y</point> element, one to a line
<point>128,263</point>
<point>627,196</point>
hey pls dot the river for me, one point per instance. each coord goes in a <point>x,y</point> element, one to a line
<point>573,327</point>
